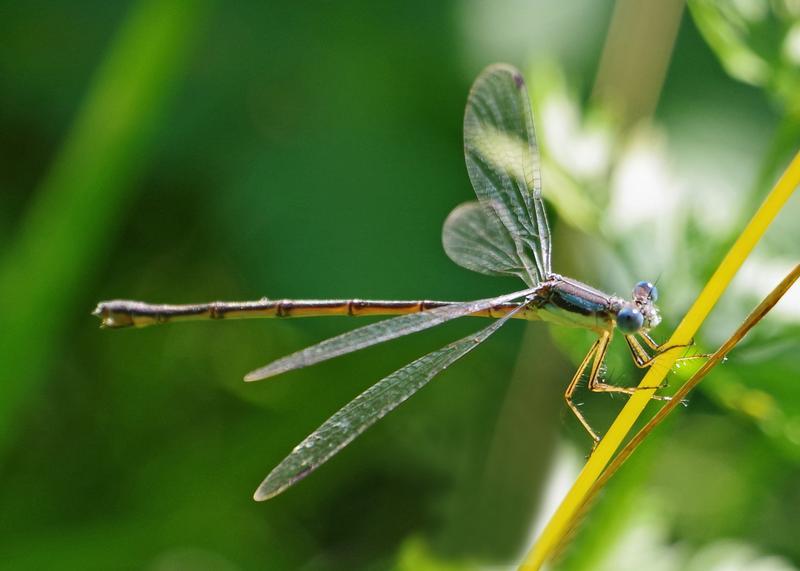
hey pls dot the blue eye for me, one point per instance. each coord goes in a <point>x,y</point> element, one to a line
<point>645,290</point>
<point>629,320</point>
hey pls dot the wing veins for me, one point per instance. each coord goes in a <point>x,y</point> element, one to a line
<point>375,333</point>
<point>503,162</point>
<point>365,410</point>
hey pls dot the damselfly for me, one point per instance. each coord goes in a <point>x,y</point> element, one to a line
<point>504,233</point>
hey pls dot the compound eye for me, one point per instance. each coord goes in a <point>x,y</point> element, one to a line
<point>645,290</point>
<point>629,320</point>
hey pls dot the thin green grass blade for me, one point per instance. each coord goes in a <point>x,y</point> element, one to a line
<point>68,226</point>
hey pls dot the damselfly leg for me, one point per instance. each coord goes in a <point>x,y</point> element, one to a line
<point>643,360</point>
<point>596,356</point>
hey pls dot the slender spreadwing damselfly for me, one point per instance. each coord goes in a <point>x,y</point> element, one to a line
<point>505,232</point>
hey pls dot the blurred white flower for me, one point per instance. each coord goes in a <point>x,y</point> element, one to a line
<point>643,192</point>
<point>584,152</point>
<point>753,10</point>
<point>791,44</point>
<point>759,276</point>
<point>735,556</point>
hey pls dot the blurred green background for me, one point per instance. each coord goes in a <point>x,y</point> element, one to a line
<point>190,150</point>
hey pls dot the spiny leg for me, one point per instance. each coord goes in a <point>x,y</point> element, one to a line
<point>640,357</point>
<point>573,384</point>
<point>652,343</point>
<point>643,360</point>
<point>598,386</point>
<point>660,348</point>
<point>596,356</point>
<point>595,384</point>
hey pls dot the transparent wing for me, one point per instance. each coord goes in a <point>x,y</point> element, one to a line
<point>375,333</point>
<point>503,164</point>
<point>475,239</point>
<point>363,411</point>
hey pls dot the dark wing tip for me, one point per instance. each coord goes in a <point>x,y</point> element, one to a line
<point>506,68</point>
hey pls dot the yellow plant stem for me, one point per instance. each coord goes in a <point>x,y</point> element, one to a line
<point>755,316</point>
<point>562,520</point>
<point>630,447</point>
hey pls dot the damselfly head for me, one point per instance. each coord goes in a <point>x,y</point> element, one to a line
<point>645,291</point>
<point>641,313</point>
<point>644,297</point>
<point>629,319</point>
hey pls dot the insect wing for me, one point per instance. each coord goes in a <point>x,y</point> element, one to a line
<point>375,333</point>
<point>474,239</point>
<point>503,163</point>
<point>365,410</point>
